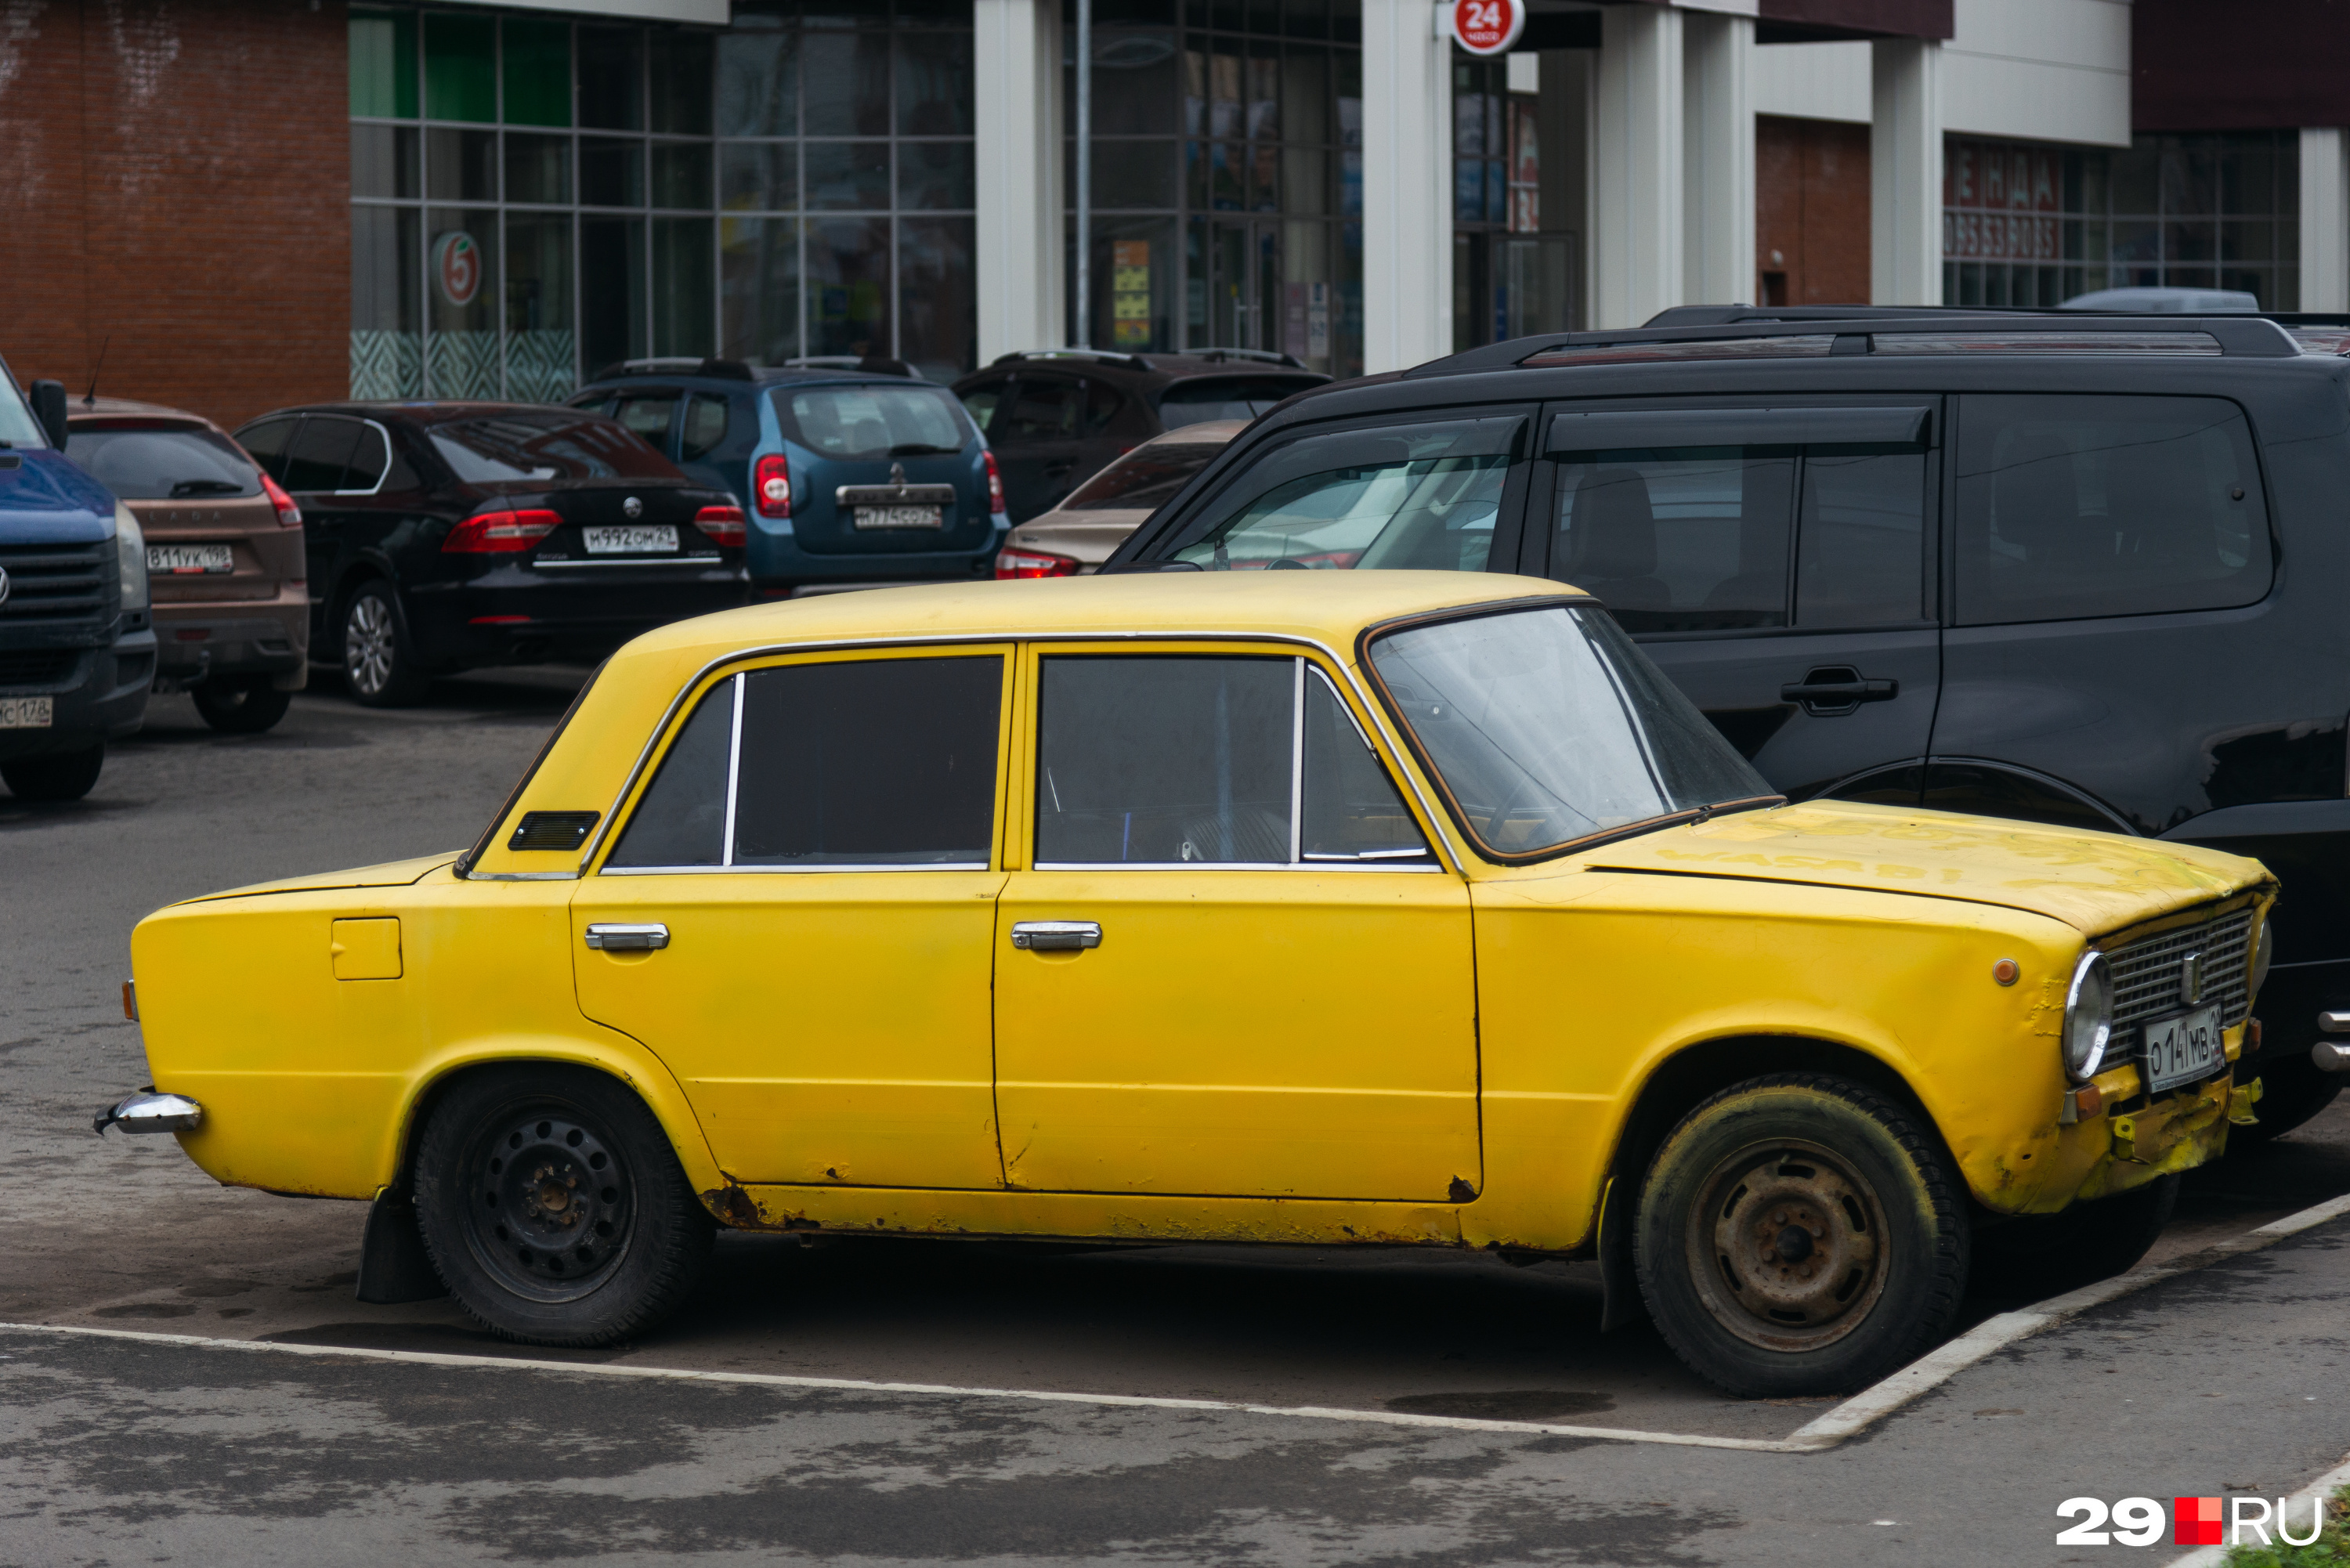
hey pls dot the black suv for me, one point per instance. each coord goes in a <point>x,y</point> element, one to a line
<point>2087,571</point>
<point>1054,416</point>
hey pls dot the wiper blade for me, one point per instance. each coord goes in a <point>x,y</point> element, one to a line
<point>187,487</point>
<point>923,449</point>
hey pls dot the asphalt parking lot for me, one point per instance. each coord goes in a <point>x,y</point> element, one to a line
<point>124,1450</point>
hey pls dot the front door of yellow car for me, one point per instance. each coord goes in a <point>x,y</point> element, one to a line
<point>1233,966</point>
<point>797,917</point>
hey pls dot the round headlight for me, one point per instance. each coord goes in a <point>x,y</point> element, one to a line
<point>130,559</point>
<point>2088,1017</point>
<point>2264,950</point>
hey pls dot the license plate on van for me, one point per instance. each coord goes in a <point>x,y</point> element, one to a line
<point>25,712</point>
<point>901,517</point>
<point>2182,1049</point>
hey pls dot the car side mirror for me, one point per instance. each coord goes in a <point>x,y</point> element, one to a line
<point>49,407</point>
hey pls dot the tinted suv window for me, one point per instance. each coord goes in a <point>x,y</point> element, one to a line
<point>1423,496</point>
<point>864,763</point>
<point>1687,539</point>
<point>2076,505</point>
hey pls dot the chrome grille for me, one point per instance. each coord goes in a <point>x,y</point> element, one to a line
<point>2146,974</point>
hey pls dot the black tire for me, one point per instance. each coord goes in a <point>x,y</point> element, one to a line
<point>54,776</point>
<point>554,1208</point>
<point>1853,1203</point>
<point>2044,1256</point>
<point>376,649</point>
<point>2293,1090</point>
<point>242,705</point>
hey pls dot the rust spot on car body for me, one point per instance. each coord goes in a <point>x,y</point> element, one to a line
<point>732,1206</point>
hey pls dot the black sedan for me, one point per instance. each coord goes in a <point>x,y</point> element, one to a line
<point>446,535</point>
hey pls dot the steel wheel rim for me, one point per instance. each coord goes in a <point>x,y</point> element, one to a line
<point>367,644</point>
<point>550,1206</point>
<point>1786,1244</point>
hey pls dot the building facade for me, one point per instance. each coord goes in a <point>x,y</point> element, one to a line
<point>233,204</point>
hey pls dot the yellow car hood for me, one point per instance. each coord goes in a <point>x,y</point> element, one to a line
<point>2095,882</point>
<point>391,874</point>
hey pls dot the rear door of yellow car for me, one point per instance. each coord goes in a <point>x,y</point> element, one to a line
<point>796,915</point>
<point>1229,963</point>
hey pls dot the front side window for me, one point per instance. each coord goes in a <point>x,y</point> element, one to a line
<point>1410,497</point>
<point>1042,409</point>
<point>1547,726</point>
<point>2075,507</point>
<point>871,422</point>
<point>881,762</point>
<point>1692,539</point>
<point>1178,760</point>
<point>164,462</point>
<point>18,425</point>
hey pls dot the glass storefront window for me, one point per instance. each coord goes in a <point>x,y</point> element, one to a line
<point>535,198</point>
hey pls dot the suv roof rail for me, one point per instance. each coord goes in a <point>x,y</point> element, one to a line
<point>1097,356</point>
<point>2237,335</point>
<point>725,369</point>
<point>1260,356</point>
<point>1727,315</point>
<point>866,363</point>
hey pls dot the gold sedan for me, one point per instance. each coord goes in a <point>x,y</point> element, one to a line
<point>1380,908</point>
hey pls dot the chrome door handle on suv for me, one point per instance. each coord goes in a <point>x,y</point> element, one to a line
<point>614,938</point>
<point>1837,689</point>
<point>1055,935</point>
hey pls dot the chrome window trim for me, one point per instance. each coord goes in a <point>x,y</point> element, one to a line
<point>734,772</point>
<point>1442,847</point>
<point>390,454</point>
<point>1298,764</point>
<point>1197,866</point>
<point>791,870</point>
<point>712,559</point>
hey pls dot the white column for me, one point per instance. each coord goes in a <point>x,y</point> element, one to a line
<point>1717,220</point>
<point>1637,253</point>
<point>1017,61</point>
<point>1905,171</point>
<point>1406,186</point>
<point>2324,219</point>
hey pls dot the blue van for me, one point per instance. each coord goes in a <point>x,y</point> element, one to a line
<point>77,650</point>
<point>848,477</point>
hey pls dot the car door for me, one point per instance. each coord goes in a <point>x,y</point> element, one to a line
<point>1778,563</point>
<point>1037,437</point>
<point>1230,965</point>
<point>333,463</point>
<point>795,916</point>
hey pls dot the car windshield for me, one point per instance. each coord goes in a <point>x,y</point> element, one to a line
<point>522,446</point>
<point>164,462</point>
<point>873,421</point>
<point>18,425</point>
<point>1142,480</point>
<point>1224,398</point>
<point>1546,726</point>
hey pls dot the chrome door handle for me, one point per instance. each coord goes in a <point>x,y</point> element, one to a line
<point>628,938</point>
<point>1055,935</point>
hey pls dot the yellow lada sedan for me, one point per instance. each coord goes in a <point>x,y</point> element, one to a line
<point>1381,908</point>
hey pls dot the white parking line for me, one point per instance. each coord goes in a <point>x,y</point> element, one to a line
<point>1854,1416</point>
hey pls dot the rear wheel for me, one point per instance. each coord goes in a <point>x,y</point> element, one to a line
<point>241,705</point>
<point>554,1208</point>
<point>1801,1234</point>
<point>378,653</point>
<point>55,776</point>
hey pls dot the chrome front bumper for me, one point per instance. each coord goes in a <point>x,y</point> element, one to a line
<point>149,1111</point>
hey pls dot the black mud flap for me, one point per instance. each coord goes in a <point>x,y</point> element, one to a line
<point>393,1267</point>
<point>1619,1282</point>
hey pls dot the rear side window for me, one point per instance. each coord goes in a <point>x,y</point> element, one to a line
<point>158,463</point>
<point>2074,507</point>
<point>872,420</point>
<point>705,426</point>
<point>320,458</point>
<point>1142,480</point>
<point>864,762</point>
<point>648,414</point>
<point>1223,398</point>
<point>1421,497</point>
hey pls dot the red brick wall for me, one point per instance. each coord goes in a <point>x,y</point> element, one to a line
<point>1811,207</point>
<point>175,177</point>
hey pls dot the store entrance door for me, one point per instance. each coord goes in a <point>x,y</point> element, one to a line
<point>1243,285</point>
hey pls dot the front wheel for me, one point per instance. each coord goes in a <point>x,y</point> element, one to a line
<point>554,1208</point>
<point>247,705</point>
<point>1801,1234</point>
<point>54,775</point>
<point>379,652</point>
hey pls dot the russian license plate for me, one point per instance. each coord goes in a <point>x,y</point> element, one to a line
<point>186,559</point>
<point>901,517</point>
<point>634,539</point>
<point>2182,1049</point>
<point>24,712</point>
